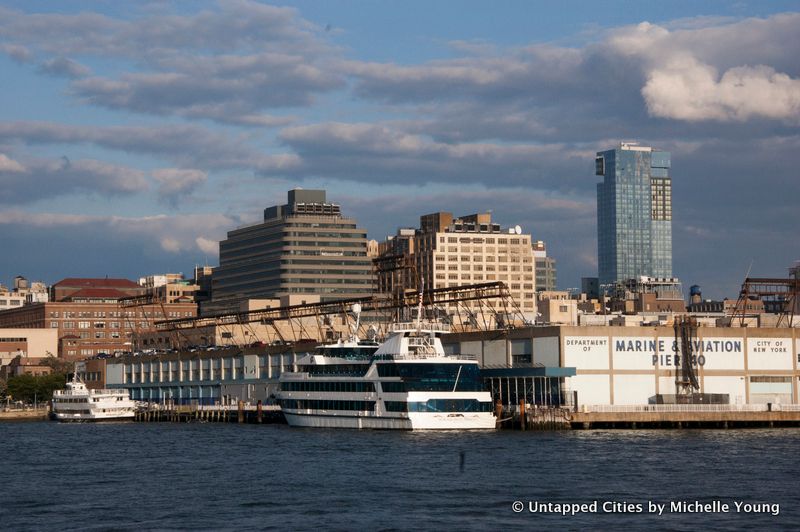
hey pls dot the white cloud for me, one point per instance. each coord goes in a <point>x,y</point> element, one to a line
<point>9,165</point>
<point>170,245</point>
<point>210,247</point>
<point>48,178</point>
<point>689,90</point>
<point>20,54</point>
<point>173,233</point>
<point>63,66</point>
<point>226,64</point>
<point>174,182</point>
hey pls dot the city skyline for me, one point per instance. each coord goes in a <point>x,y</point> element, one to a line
<point>134,136</point>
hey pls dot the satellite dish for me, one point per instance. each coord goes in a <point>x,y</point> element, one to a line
<point>356,308</point>
<point>518,229</point>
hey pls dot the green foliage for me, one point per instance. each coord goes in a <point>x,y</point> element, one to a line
<point>29,388</point>
<point>58,365</point>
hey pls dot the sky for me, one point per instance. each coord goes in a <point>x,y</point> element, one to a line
<point>134,135</point>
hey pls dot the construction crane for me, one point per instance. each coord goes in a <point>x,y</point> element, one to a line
<point>783,294</point>
<point>494,299</point>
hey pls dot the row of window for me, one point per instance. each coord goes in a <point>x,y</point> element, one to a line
<point>435,377</point>
<point>439,405</point>
<point>324,404</point>
<point>328,386</point>
<point>481,240</point>
<point>120,314</point>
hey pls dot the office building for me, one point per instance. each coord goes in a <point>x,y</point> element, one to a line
<point>449,252</point>
<point>303,247</point>
<point>634,213</point>
<point>545,268</point>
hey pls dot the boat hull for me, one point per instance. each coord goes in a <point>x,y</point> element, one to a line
<point>418,421</point>
<point>80,418</point>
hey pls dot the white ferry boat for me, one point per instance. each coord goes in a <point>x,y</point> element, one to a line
<point>79,403</point>
<point>408,382</point>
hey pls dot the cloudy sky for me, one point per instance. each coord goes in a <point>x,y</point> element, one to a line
<point>134,135</point>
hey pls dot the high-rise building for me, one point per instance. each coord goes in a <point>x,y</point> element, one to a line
<point>448,252</point>
<point>303,247</point>
<point>634,213</point>
<point>545,267</point>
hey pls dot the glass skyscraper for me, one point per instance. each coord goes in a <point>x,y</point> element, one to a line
<point>634,213</point>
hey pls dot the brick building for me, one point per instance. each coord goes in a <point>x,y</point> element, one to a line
<point>90,319</point>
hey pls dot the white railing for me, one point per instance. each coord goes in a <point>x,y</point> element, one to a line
<point>687,408</point>
<point>88,391</point>
<point>423,326</point>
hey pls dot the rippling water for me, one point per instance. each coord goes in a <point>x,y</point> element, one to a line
<point>234,477</point>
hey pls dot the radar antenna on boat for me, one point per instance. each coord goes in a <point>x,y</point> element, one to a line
<point>356,309</point>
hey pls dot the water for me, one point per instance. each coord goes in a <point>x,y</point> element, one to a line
<point>251,477</point>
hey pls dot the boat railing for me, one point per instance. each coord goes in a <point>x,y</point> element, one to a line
<point>88,391</point>
<point>423,356</point>
<point>423,326</point>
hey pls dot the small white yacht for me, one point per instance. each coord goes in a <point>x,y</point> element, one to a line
<point>79,403</point>
<point>408,382</point>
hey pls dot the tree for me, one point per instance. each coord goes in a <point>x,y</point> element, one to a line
<point>29,388</point>
<point>58,365</point>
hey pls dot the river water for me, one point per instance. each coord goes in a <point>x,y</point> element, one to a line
<point>272,477</point>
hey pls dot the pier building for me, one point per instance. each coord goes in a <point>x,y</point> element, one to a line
<point>198,376</point>
<point>583,368</point>
<point>618,365</point>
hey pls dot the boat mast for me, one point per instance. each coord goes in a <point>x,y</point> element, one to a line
<point>419,306</point>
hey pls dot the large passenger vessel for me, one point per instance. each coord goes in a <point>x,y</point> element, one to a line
<point>408,382</point>
<point>79,403</point>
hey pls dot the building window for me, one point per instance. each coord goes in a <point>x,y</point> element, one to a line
<point>54,325</point>
<point>83,325</point>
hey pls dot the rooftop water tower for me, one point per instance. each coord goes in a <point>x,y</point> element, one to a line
<point>695,294</point>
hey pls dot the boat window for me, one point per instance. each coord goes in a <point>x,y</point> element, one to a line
<point>435,376</point>
<point>450,405</point>
<point>330,386</point>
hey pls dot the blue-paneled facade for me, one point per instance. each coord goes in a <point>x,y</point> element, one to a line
<point>634,213</point>
<point>204,378</point>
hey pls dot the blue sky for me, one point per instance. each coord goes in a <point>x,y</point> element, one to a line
<point>134,135</point>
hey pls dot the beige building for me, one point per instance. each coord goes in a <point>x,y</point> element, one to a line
<point>450,252</point>
<point>22,350</point>
<point>557,308</point>
<point>27,342</point>
<point>10,300</point>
